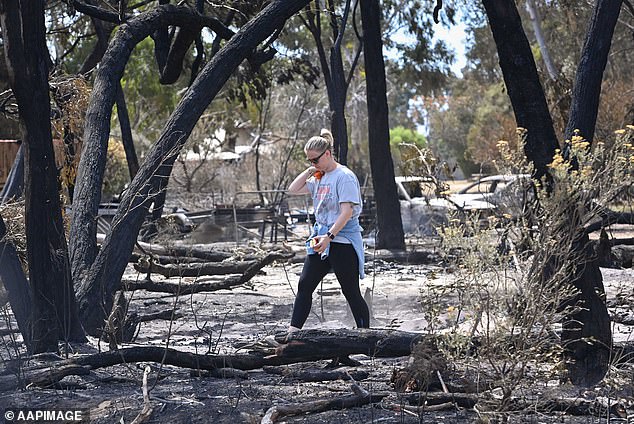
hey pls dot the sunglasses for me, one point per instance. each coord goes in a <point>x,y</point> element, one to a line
<point>315,160</point>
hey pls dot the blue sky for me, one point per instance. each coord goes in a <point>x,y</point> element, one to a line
<point>454,37</point>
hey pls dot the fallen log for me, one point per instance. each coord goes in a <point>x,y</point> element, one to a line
<point>316,375</point>
<point>211,252</point>
<point>165,260</point>
<point>40,377</point>
<point>373,342</point>
<point>181,288</point>
<point>195,269</point>
<point>463,400</point>
<point>622,242</point>
<point>8,331</point>
<point>359,398</point>
<point>343,342</point>
<point>46,375</point>
<point>600,406</point>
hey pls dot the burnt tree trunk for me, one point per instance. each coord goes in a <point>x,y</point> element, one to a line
<point>522,82</point>
<point>594,57</point>
<point>587,334</point>
<point>588,345</point>
<point>339,126</point>
<point>54,312</point>
<point>334,74</point>
<point>102,277</point>
<point>103,31</point>
<point>339,88</point>
<point>83,247</point>
<point>390,234</point>
<point>126,133</point>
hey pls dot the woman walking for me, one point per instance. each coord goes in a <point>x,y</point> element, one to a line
<point>335,242</point>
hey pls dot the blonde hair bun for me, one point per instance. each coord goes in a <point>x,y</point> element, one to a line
<point>325,133</point>
<point>322,142</point>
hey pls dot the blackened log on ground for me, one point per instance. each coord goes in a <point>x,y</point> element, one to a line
<point>359,398</point>
<point>463,400</point>
<point>198,287</point>
<point>46,375</point>
<point>194,269</point>
<point>381,342</point>
<point>319,344</point>
<point>315,375</point>
<point>40,377</point>
<point>166,260</point>
<point>622,242</point>
<point>182,288</point>
<point>177,358</point>
<point>208,252</point>
<point>8,331</point>
<point>213,252</point>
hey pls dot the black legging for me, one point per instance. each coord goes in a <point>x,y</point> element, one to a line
<point>343,260</point>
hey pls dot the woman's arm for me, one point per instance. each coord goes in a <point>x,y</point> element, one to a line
<point>298,186</point>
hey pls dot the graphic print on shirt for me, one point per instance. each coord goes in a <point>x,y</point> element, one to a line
<point>324,205</point>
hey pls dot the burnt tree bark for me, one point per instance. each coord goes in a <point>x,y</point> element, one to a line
<point>126,133</point>
<point>246,267</point>
<point>54,312</point>
<point>587,334</point>
<point>594,57</point>
<point>104,31</point>
<point>588,345</point>
<point>522,82</point>
<point>102,273</point>
<point>83,247</point>
<point>320,344</point>
<point>390,234</point>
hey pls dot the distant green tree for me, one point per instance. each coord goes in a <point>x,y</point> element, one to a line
<point>405,145</point>
<point>401,135</point>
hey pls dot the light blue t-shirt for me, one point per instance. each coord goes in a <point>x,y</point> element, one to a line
<point>335,187</point>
